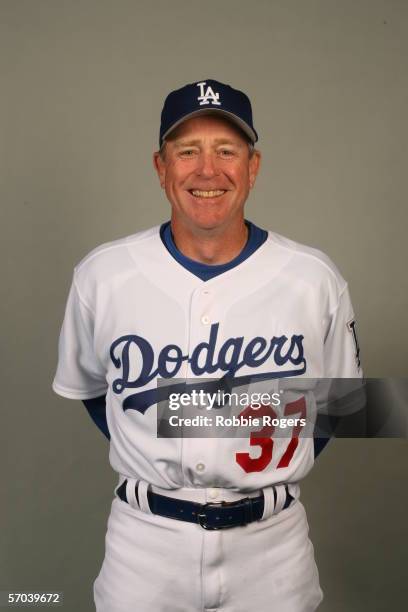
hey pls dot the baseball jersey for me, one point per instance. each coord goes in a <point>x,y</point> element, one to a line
<point>135,317</point>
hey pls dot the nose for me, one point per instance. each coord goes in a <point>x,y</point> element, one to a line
<point>207,166</point>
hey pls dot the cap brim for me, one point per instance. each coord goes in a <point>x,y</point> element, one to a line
<point>252,135</point>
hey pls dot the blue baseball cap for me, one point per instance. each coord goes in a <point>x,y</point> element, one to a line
<point>207,97</point>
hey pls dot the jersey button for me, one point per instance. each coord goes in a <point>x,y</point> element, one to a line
<point>205,320</point>
<point>200,467</point>
<point>213,493</point>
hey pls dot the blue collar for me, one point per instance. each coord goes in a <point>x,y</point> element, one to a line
<point>256,237</point>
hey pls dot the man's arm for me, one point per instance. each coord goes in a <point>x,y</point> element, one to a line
<point>353,425</point>
<point>342,377</point>
<point>319,445</point>
<point>97,411</point>
<point>328,425</point>
<point>80,375</point>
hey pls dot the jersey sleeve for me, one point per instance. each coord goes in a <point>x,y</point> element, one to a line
<point>341,392</point>
<point>79,375</point>
<point>341,348</point>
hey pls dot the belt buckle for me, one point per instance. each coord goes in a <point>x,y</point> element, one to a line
<point>202,517</point>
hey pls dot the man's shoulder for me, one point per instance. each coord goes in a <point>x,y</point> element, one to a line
<point>112,259</point>
<point>305,259</point>
<point>115,249</point>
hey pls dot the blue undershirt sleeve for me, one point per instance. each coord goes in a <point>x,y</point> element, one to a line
<point>321,424</point>
<point>96,408</point>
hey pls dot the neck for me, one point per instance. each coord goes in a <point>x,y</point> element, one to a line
<point>210,246</point>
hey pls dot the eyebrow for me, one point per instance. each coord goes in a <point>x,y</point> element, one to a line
<point>217,141</point>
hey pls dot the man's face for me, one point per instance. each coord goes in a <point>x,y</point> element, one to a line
<point>207,173</point>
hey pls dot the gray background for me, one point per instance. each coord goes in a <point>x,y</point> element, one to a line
<point>82,84</point>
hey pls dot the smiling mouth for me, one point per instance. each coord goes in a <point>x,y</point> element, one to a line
<point>214,193</point>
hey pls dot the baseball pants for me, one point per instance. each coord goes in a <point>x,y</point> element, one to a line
<point>158,564</point>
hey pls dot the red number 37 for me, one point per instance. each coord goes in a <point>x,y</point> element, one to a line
<point>263,438</point>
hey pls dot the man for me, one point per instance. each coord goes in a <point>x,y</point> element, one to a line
<point>211,522</point>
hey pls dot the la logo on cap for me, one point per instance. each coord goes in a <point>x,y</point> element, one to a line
<point>208,96</point>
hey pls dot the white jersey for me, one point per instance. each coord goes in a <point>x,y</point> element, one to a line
<point>135,316</point>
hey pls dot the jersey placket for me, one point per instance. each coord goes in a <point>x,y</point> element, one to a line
<point>199,454</point>
<point>198,459</point>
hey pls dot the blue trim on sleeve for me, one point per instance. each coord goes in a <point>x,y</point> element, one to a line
<point>256,237</point>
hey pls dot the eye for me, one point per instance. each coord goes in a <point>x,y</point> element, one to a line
<point>187,152</point>
<point>226,152</point>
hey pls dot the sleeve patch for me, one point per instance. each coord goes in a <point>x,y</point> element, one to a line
<point>351,326</point>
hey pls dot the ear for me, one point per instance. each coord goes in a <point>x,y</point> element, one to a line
<point>160,168</point>
<point>254,165</point>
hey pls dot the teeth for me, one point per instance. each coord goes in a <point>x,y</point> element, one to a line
<point>207,194</point>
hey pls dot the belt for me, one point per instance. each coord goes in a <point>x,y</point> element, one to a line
<point>211,516</point>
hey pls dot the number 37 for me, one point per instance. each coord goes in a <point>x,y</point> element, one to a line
<point>263,438</point>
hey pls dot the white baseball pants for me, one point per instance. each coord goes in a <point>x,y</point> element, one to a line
<point>157,564</point>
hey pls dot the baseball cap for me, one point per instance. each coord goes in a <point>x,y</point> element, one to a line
<point>207,97</point>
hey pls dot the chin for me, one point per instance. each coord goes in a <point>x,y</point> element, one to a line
<point>206,222</point>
